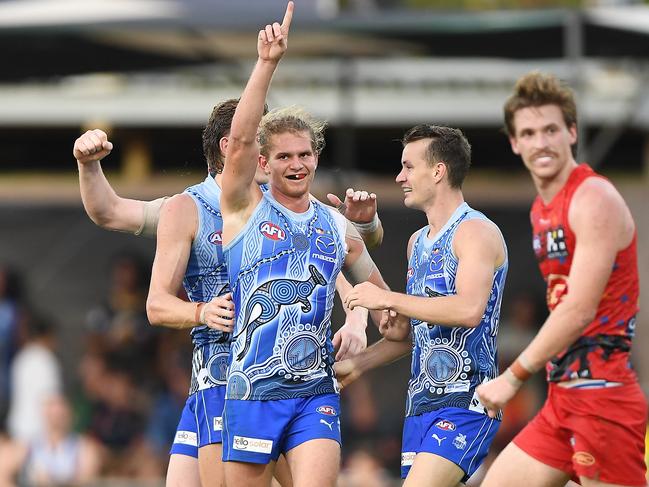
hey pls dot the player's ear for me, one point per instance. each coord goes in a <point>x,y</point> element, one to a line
<point>263,163</point>
<point>223,145</point>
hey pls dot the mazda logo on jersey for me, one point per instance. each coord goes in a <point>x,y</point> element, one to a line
<point>216,238</point>
<point>325,244</point>
<point>436,261</point>
<point>272,231</point>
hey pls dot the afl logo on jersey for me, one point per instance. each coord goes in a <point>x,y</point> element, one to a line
<point>272,231</point>
<point>216,238</point>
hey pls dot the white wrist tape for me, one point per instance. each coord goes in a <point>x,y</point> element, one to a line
<point>368,227</point>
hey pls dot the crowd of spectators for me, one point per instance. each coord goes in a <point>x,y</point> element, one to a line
<point>114,415</point>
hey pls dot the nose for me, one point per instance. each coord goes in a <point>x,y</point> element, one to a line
<point>401,177</point>
<point>541,140</point>
<point>295,163</point>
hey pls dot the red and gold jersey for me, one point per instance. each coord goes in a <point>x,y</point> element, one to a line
<point>602,351</point>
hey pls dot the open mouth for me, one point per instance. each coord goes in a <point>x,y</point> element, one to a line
<point>296,177</point>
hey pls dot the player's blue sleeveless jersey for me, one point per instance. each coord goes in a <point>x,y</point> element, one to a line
<point>448,363</point>
<point>207,277</point>
<point>283,268</point>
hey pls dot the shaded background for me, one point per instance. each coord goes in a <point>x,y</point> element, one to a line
<point>149,72</point>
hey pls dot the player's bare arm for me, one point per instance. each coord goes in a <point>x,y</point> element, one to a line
<point>104,207</point>
<point>176,230</point>
<point>603,226</point>
<point>360,208</point>
<point>381,353</point>
<point>479,248</point>
<point>359,267</point>
<point>350,338</point>
<point>240,193</point>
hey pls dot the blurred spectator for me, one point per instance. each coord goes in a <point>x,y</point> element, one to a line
<point>60,457</point>
<point>362,425</point>
<point>117,417</point>
<point>119,323</point>
<point>35,374</point>
<point>362,468</point>
<point>10,321</point>
<point>170,400</point>
<point>12,455</point>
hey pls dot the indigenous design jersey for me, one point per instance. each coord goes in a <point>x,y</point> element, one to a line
<point>207,277</point>
<point>283,268</point>
<point>602,351</point>
<point>448,363</point>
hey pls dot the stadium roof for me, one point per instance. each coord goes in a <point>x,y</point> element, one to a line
<point>50,38</point>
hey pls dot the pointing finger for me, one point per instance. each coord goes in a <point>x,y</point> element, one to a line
<point>288,18</point>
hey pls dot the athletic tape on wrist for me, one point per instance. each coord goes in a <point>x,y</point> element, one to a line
<point>512,379</point>
<point>199,314</point>
<point>519,370</point>
<point>368,227</point>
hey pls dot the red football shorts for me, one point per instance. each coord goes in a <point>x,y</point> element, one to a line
<point>595,433</point>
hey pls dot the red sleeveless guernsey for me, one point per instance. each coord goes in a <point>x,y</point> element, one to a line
<point>602,351</point>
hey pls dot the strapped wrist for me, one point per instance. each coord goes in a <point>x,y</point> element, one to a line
<point>512,379</point>
<point>199,313</point>
<point>520,369</point>
<point>368,227</point>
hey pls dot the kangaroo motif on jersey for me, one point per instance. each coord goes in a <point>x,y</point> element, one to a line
<point>268,299</point>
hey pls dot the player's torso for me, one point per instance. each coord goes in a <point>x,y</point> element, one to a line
<point>449,362</point>
<point>283,272</point>
<point>613,327</point>
<point>206,277</point>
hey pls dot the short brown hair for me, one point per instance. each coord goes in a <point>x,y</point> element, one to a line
<point>536,89</point>
<point>218,126</point>
<point>291,119</point>
<point>447,145</point>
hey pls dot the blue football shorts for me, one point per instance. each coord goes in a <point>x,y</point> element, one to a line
<point>201,422</point>
<point>258,431</point>
<point>459,435</point>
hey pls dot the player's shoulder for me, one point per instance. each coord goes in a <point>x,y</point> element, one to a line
<point>178,206</point>
<point>595,198</point>
<point>478,233</point>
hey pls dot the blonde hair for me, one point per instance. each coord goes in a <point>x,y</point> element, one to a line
<point>293,119</point>
<point>536,89</point>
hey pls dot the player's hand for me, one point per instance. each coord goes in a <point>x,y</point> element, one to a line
<point>368,296</point>
<point>92,146</point>
<point>496,393</point>
<point>351,339</point>
<point>218,314</point>
<point>272,41</point>
<point>346,372</point>
<point>394,326</point>
<point>358,207</point>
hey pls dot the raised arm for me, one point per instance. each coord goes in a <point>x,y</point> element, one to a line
<point>479,248</point>
<point>176,231</point>
<point>240,193</point>
<point>104,207</point>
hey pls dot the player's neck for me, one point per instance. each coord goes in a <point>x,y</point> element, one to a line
<point>442,208</point>
<point>548,188</point>
<point>297,204</point>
